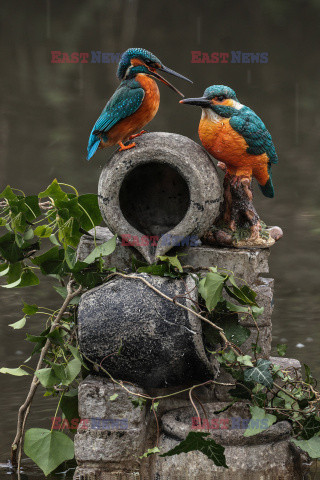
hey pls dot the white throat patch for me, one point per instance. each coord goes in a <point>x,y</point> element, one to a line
<point>208,114</point>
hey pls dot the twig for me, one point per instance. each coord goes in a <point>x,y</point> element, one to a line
<point>16,447</point>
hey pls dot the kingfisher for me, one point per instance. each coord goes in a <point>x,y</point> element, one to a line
<point>134,103</point>
<point>236,136</point>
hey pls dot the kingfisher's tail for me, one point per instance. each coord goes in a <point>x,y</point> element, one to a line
<point>93,145</point>
<point>267,189</point>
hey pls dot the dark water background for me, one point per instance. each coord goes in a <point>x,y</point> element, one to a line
<point>47,111</point>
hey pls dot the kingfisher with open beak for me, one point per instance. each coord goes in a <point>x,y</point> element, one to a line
<point>133,104</point>
<point>235,136</point>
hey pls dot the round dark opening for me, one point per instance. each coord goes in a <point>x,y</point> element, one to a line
<point>154,198</point>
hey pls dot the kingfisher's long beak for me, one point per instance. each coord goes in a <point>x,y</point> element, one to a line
<point>172,72</point>
<point>155,74</point>
<point>200,102</point>
<point>162,79</point>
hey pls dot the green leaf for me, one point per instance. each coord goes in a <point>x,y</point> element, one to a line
<point>43,231</point>
<point>18,372</point>
<point>69,406</point>
<point>48,449</point>
<point>33,210</point>
<point>311,426</point>
<point>197,441</point>
<point>28,279</point>
<point>70,257</point>
<point>13,284</point>
<point>3,222</point>
<point>245,360</point>
<point>4,269</point>
<point>102,250</point>
<point>72,370</point>
<point>260,421</point>
<point>8,194</point>
<point>47,377</point>
<point>91,216</point>
<point>210,288</point>
<point>260,373</point>
<point>237,308</point>
<point>28,235</point>
<point>51,262</point>
<point>53,239</point>
<point>29,309</point>
<point>113,397</point>
<point>174,261</point>
<point>150,451</point>
<point>311,446</point>
<point>281,349</point>
<point>19,324</point>
<point>160,270</point>
<point>54,191</point>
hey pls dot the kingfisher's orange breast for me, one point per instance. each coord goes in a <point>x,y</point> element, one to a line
<point>225,144</point>
<point>145,113</point>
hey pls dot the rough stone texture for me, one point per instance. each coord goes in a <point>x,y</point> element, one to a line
<point>162,343</point>
<point>247,264</point>
<point>264,289</point>
<point>105,448</point>
<point>266,456</point>
<point>166,184</point>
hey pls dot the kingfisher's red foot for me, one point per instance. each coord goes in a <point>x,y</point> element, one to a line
<point>126,147</point>
<point>222,165</point>
<point>137,134</point>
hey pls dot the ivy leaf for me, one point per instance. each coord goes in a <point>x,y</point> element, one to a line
<point>47,377</point>
<point>43,231</point>
<point>260,373</point>
<point>72,370</point>
<point>69,406</point>
<point>91,216</point>
<point>113,397</point>
<point>63,292</point>
<point>281,349</point>
<point>174,261</point>
<point>48,449</point>
<point>150,451</point>
<point>260,421</point>
<point>18,372</point>
<point>54,191</point>
<point>197,441</point>
<point>102,250</point>
<point>29,309</point>
<point>19,324</point>
<point>28,279</point>
<point>245,360</point>
<point>311,446</point>
<point>210,288</point>
<point>311,427</point>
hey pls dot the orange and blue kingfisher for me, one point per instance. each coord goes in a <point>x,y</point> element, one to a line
<point>236,136</point>
<point>133,104</point>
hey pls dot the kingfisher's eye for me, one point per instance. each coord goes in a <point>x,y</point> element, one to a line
<point>221,98</point>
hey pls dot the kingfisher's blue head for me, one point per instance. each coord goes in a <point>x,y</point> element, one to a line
<point>138,60</point>
<point>219,98</point>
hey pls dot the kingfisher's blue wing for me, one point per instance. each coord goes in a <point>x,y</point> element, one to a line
<point>255,133</point>
<point>124,102</point>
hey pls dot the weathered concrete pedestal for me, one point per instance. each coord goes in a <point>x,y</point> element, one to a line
<point>162,346</point>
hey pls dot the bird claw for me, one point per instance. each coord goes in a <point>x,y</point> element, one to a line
<point>222,165</point>
<point>137,134</point>
<point>126,147</point>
